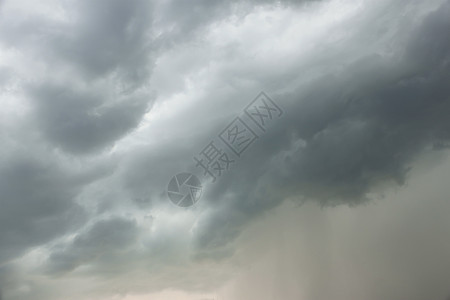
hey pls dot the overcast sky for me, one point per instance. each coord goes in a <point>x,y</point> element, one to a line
<point>343,195</point>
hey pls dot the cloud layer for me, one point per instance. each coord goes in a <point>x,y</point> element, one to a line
<point>104,102</point>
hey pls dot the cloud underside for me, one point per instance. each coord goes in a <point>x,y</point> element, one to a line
<point>104,102</point>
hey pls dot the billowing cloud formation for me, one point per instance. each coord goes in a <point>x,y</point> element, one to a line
<point>346,133</point>
<point>103,102</point>
<point>109,236</point>
<point>80,122</point>
<point>36,205</point>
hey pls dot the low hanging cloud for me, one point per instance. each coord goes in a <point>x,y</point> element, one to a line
<point>345,134</point>
<point>80,122</point>
<point>104,102</point>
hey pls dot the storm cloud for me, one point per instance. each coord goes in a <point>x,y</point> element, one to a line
<point>103,102</point>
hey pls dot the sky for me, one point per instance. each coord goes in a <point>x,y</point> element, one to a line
<point>342,192</point>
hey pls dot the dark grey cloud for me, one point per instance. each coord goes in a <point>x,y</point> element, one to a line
<point>85,193</point>
<point>106,38</point>
<point>83,121</point>
<point>103,243</point>
<point>109,37</point>
<point>344,135</point>
<point>105,47</point>
<point>37,205</point>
